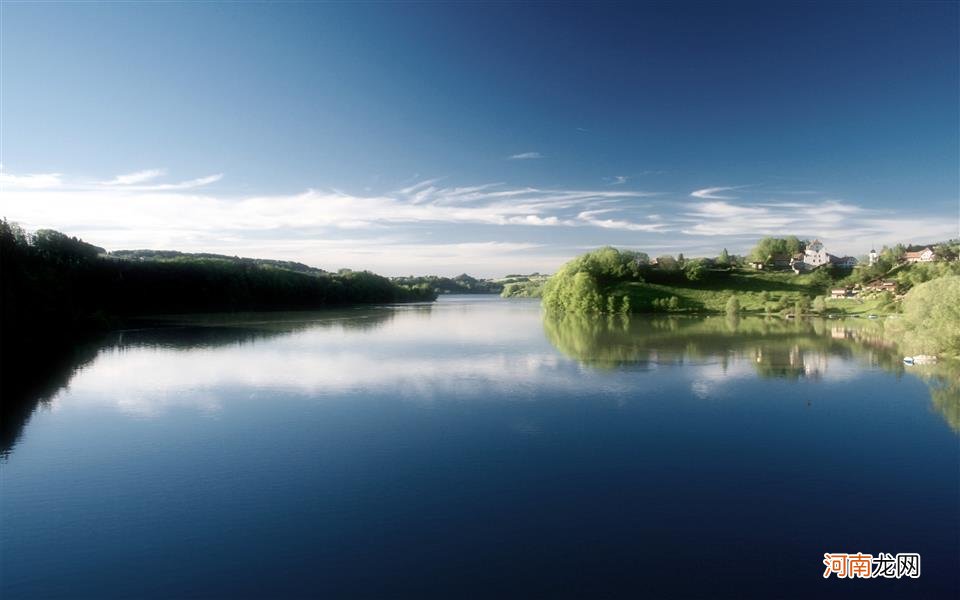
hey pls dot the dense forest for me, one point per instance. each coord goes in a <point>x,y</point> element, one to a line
<point>461,284</point>
<point>49,280</point>
<point>186,256</point>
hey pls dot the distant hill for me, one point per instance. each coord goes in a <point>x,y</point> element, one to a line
<point>173,255</point>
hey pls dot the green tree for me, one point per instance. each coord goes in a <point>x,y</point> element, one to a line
<point>733,305</point>
<point>667,263</point>
<point>724,258</point>
<point>793,245</point>
<point>583,283</point>
<point>694,270</point>
<point>931,318</point>
<point>820,305</point>
<point>769,246</point>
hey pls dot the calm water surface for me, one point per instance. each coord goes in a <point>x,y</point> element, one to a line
<point>473,448</point>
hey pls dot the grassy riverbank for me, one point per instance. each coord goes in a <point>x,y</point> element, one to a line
<point>757,292</point>
<point>613,281</point>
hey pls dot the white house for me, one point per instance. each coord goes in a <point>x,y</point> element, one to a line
<point>922,255</point>
<point>814,255</point>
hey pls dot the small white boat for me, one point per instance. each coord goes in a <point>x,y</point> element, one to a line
<point>920,359</point>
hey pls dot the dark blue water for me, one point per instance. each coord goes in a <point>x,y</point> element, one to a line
<point>471,448</point>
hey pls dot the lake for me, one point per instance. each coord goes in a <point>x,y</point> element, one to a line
<point>473,447</point>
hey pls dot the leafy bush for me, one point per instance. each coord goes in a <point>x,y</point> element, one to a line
<point>584,284</point>
<point>733,305</point>
<point>931,318</point>
<point>820,304</point>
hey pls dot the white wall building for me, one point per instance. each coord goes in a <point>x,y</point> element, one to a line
<point>815,255</point>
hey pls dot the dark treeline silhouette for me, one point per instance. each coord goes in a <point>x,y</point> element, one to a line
<point>56,289</point>
<point>175,255</point>
<point>50,277</point>
<point>57,310</point>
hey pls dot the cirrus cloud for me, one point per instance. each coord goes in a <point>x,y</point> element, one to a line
<point>713,193</point>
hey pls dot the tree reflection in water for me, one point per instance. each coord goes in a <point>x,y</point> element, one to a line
<point>783,348</point>
<point>31,378</point>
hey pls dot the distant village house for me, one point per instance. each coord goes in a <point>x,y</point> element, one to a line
<point>881,285</point>
<point>923,255</point>
<point>815,255</point>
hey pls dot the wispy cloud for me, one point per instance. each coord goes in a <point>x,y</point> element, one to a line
<point>185,185</point>
<point>844,227</point>
<point>412,229</point>
<point>136,177</point>
<point>526,156</point>
<point>137,181</point>
<point>31,180</point>
<point>619,180</point>
<point>590,217</point>
<point>185,217</point>
<point>713,193</point>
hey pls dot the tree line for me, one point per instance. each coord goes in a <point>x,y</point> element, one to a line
<point>51,280</point>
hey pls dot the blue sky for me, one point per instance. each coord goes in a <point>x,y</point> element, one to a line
<point>492,138</point>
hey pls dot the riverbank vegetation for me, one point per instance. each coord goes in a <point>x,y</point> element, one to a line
<point>930,323</point>
<point>609,280</point>
<point>461,284</point>
<point>52,281</point>
<point>523,286</point>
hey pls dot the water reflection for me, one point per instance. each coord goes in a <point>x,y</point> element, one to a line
<point>418,352</point>
<point>335,454</point>
<point>31,381</point>
<point>776,348</point>
<point>477,350</point>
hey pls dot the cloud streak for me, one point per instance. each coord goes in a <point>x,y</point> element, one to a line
<point>137,177</point>
<point>713,193</point>
<point>31,180</point>
<point>432,225</point>
<point>526,156</point>
<point>129,181</point>
<point>844,227</point>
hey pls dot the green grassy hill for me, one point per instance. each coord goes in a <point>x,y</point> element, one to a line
<point>614,281</point>
<point>756,291</point>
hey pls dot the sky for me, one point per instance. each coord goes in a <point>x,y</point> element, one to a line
<point>487,138</point>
